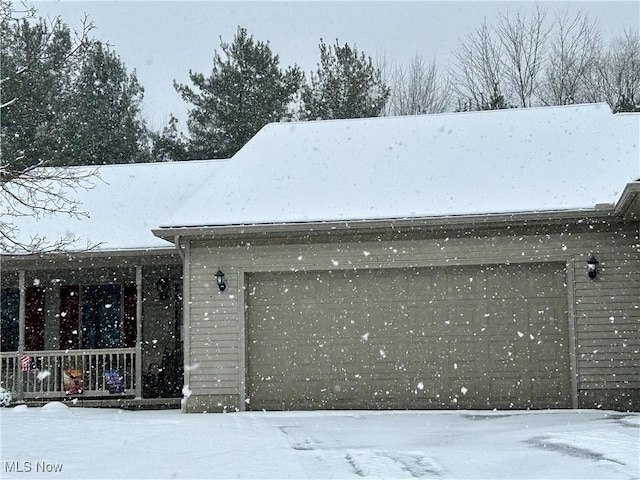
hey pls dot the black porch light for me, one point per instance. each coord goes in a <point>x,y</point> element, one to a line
<point>220,280</point>
<point>162,287</point>
<point>592,267</point>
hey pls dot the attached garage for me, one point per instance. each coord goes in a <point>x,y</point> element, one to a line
<point>466,337</point>
<point>432,261</point>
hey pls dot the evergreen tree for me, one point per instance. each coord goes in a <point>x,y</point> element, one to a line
<point>170,144</point>
<point>245,90</point>
<point>36,72</point>
<point>345,85</point>
<point>35,81</point>
<point>105,124</point>
<point>65,102</point>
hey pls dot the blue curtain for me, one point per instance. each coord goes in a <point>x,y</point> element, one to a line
<point>101,316</point>
<point>9,318</point>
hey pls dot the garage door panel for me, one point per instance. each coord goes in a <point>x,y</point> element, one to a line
<point>386,357</point>
<point>508,316</point>
<point>465,337</point>
<point>465,284</point>
<point>429,354</point>
<point>468,354</point>
<point>510,391</point>
<point>270,352</point>
<point>547,313</point>
<point>549,392</point>
<point>509,354</point>
<point>387,319</point>
<point>422,317</point>
<point>546,351</point>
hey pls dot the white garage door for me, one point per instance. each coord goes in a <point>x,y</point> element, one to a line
<point>467,337</point>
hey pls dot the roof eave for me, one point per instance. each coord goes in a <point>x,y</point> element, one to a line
<point>368,225</point>
<point>628,206</point>
<point>64,259</point>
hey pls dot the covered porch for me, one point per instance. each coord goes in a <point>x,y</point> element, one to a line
<point>103,327</point>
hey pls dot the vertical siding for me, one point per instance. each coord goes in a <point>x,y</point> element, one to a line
<point>604,313</point>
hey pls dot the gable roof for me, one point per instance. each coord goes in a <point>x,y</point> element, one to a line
<point>525,160</point>
<point>522,160</point>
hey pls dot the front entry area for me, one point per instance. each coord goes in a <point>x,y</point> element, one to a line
<point>484,336</point>
<point>95,332</point>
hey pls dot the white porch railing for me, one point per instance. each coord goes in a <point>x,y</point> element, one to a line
<point>44,376</point>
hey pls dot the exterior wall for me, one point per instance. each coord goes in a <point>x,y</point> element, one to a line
<point>603,313</point>
<point>607,323</point>
<point>161,327</point>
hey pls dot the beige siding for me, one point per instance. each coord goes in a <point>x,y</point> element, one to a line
<point>606,350</point>
<point>214,328</point>
<point>608,320</point>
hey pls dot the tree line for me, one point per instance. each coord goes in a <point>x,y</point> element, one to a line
<point>68,99</point>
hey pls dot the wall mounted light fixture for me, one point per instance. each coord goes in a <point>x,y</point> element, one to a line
<point>592,267</point>
<point>162,287</point>
<point>220,280</point>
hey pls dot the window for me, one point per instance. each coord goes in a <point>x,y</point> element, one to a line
<point>97,316</point>
<point>10,315</point>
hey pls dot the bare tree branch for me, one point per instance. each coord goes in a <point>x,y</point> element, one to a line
<point>618,73</point>
<point>27,188</point>
<point>523,43</point>
<point>477,73</point>
<point>575,51</point>
<point>417,89</point>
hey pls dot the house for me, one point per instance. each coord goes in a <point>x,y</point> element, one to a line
<point>112,311</point>
<point>468,260</point>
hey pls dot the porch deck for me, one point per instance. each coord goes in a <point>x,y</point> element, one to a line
<point>82,374</point>
<point>123,402</point>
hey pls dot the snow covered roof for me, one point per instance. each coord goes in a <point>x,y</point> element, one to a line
<point>126,202</point>
<point>523,160</point>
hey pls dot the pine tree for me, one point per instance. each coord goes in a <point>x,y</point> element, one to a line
<point>345,85</point>
<point>245,90</point>
<point>104,120</point>
<point>55,112</point>
<point>65,102</point>
<point>36,75</point>
<point>170,145</point>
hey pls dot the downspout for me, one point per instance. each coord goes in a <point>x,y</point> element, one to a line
<point>176,242</point>
<point>186,311</point>
<point>186,324</point>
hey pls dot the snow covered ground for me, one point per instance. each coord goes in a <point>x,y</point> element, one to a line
<point>56,441</point>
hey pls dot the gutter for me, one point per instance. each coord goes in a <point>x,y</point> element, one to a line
<point>601,213</point>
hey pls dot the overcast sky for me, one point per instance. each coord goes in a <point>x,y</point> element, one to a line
<point>163,40</point>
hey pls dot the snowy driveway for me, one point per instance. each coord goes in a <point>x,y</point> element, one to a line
<point>60,442</point>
